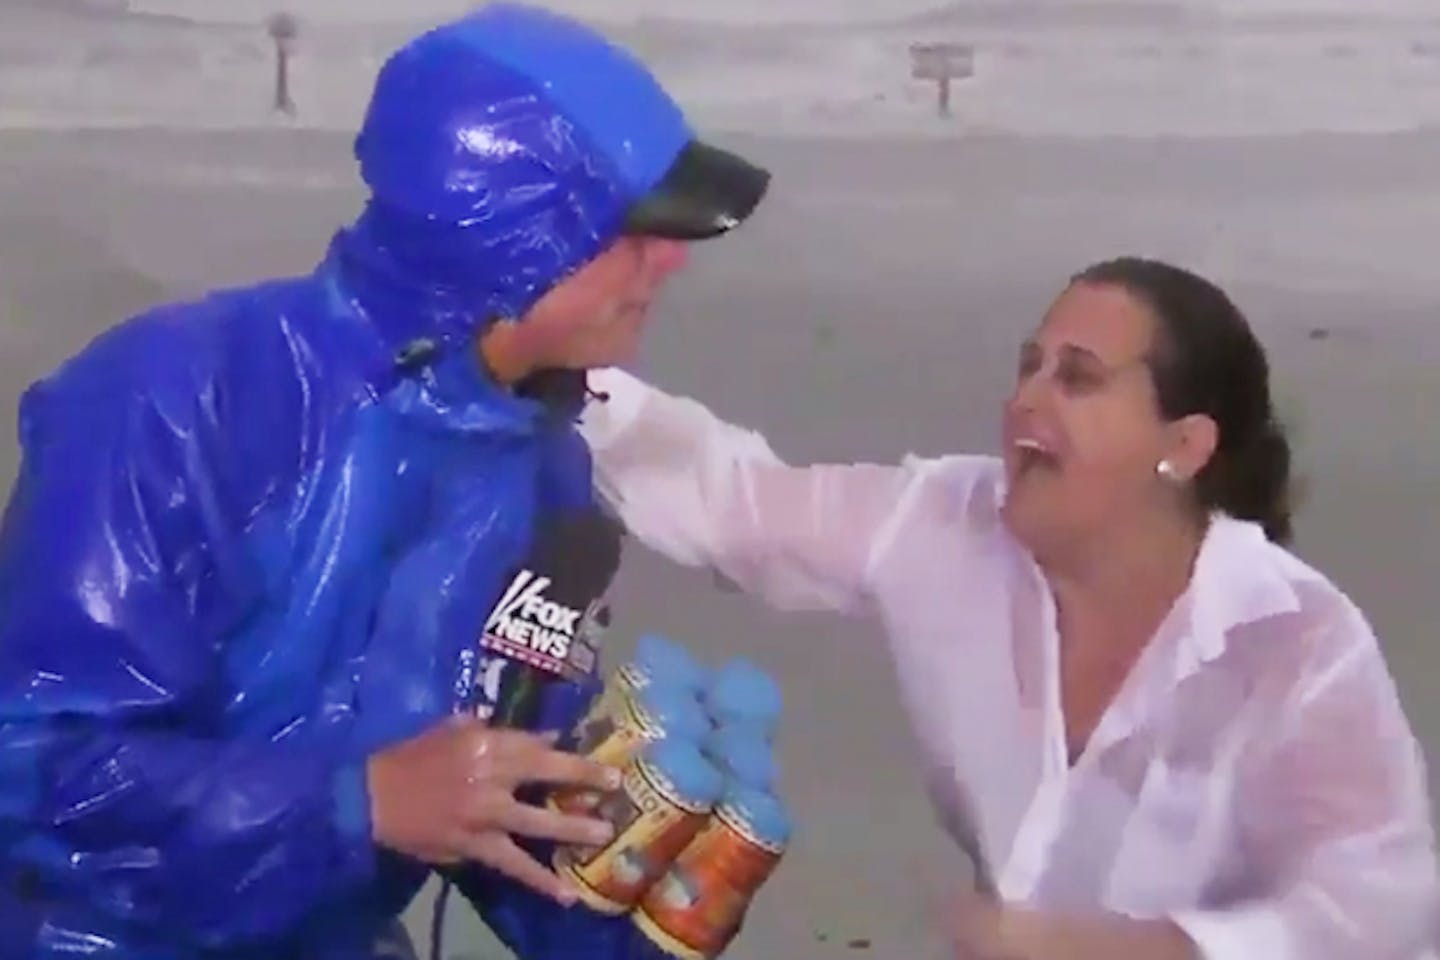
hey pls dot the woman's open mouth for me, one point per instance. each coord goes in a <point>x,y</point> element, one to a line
<point>1032,456</point>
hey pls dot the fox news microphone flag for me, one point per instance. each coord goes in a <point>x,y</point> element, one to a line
<point>540,642</point>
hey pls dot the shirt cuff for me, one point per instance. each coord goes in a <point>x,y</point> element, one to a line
<point>608,416</point>
<point>1240,934</point>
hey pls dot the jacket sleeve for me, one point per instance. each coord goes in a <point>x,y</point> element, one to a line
<point>1335,815</point>
<point>704,492</point>
<point>121,574</point>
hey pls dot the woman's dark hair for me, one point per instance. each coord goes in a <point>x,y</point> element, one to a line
<point>1208,361</point>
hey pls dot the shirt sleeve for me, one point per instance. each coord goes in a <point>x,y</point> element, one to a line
<point>1336,813</point>
<point>704,492</point>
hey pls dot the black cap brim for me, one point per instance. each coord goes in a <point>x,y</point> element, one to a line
<point>707,192</point>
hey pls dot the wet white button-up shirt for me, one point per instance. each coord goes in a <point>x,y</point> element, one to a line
<point>1255,780</point>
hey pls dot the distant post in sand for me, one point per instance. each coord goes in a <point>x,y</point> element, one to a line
<point>942,62</point>
<point>283,28</point>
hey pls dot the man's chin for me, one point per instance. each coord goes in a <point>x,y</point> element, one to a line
<point>619,356</point>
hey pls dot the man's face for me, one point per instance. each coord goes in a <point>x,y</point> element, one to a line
<point>595,317</point>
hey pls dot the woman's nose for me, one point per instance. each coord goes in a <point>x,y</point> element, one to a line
<point>1028,393</point>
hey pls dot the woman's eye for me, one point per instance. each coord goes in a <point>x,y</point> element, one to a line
<point>1076,377</point>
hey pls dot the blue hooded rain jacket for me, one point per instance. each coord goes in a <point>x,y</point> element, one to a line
<point>248,546</point>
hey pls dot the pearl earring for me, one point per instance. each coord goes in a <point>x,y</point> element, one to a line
<point>1166,469</point>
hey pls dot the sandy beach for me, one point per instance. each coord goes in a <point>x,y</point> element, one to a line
<point>912,268</point>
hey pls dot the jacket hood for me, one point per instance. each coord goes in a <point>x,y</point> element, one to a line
<point>503,151</point>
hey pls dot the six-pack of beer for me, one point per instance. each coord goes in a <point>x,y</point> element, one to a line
<point>699,827</point>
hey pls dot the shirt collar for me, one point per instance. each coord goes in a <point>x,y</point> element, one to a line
<point>1236,582</point>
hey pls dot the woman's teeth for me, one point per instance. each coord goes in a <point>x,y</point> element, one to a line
<point>1035,454</point>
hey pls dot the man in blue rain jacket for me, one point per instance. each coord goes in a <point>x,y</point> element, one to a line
<point>254,537</point>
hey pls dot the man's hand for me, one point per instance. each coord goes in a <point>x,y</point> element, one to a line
<point>448,796</point>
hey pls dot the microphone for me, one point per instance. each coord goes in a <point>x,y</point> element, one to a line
<point>540,643</point>
<point>539,646</point>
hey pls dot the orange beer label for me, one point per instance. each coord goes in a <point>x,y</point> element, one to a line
<point>608,738</point>
<point>652,825</point>
<point>696,909</point>
<point>613,738</point>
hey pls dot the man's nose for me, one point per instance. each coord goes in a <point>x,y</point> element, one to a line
<point>665,256</point>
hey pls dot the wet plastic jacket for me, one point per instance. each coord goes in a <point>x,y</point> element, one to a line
<point>253,536</point>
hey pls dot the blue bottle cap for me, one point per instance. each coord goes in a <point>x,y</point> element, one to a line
<point>675,710</point>
<point>694,780</point>
<point>742,693</point>
<point>759,813</point>
<point>743,754</point>
<point>662,660</point>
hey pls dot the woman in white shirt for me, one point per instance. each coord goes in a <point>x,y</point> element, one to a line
<point>1160,733</point>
